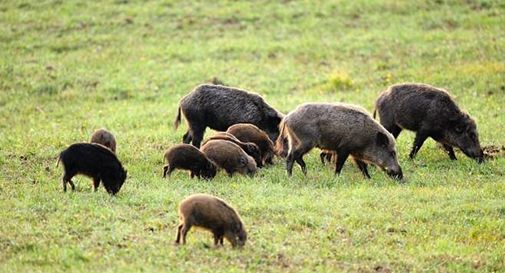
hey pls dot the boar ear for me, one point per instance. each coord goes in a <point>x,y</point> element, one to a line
<point>382,140</point>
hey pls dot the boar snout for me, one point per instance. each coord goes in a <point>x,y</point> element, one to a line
<point>395,174</point>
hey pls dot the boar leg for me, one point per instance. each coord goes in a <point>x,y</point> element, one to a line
<point>450,151</point>
<point>341,158</point>
<point>218,238</point>
<point>165,170</point>
<point>322,156</point>
<point>186,138</point>
<point>178,238</point>
<point>64,184</point>
<point>363,167</point>
<point>96,183</point>
<point>418,143</point>
<point>296,155</point>
<point>71,184</point>
<point>197,136</point>
<point>289,164</point>
<point>394,130</point>
<point>67,178</point>
<point>184,231</point>
<point>300,162</point>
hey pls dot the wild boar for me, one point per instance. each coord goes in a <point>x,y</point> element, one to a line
<point>211,213</point>
<point>104,137</point>
<point>218,107</point>
<point>343,128</point>
<point>93,160</point>
<point>187,157</point>
<point>250,133</point>
<point>229,156</point>
<point>430,112</point>
<point>249,147</point>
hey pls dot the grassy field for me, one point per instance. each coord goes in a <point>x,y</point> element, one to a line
<point>70,67</point>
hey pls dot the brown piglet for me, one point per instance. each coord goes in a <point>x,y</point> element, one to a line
<point>213,214</point>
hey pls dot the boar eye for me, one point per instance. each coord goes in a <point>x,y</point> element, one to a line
<point>458,129</point>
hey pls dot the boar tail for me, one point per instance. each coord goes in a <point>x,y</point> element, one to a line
<point>178,118</point>
<point>279,143</point>
<point>58,161</point>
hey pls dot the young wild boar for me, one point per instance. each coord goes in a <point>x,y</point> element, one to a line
<point>229,156</point>
<point>95,161</point>
<point>249,133</point>
<point>343,128</point>
<point>249,147</point>
<point>218,107</point>
<point>430,112</point>
<point>211,213</point>
<point>105,138</point>
<point>187,157</point>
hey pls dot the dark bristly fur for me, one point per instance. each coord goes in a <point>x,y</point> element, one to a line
<point>247,132</point>
<point>229,156</point>
<point>218,107</point>
<point>343,128</point>
<point>211,213</point>
<point>249,147</point>
<point>95,161</point>
<point>104,137</point>
<point>187,157</point>
<point>430,112</point>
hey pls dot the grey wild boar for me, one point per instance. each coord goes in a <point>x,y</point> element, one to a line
<point>187,157</point>
<point>104,137</point>
<point>247,132</point>
<point>229,156</point>
<point>430,112</point>
<point>213,214</point>
<point>95,161</point>
<point>343,128</point>
<point>219,107</point>
<point>249,147</point>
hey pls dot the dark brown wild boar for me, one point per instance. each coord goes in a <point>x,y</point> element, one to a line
<point>104,137</point>
<point>229,156</point>
<point>93,160</point>
<point>430,112</point>
<point>211,213</point>
<point>187,157</point>
<point>343,128</point>
<point>247,132</point>
<point>218,107</point>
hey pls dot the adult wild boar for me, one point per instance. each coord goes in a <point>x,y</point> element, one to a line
<point>213,214</point>
<point>343,128</point>
<point>430,112</point>
<point>95,161</point>
<point>218,107</point>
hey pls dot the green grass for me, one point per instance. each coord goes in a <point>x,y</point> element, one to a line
<point>68,68</point>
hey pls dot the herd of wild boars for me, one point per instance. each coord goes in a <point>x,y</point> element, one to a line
<point>251,133</point>
<point>248,127</point>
